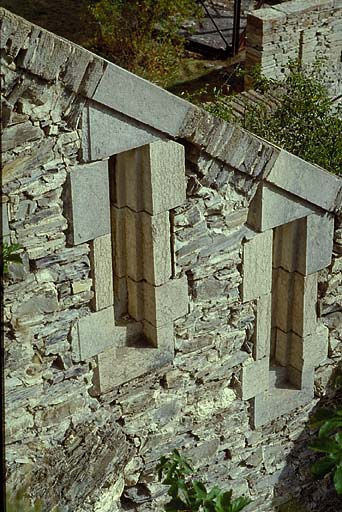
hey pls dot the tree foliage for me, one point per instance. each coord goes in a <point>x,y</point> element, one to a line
<point>307,122</point>
<point>143,35</point>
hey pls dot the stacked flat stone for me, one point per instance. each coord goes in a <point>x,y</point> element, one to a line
<point>306,29</point>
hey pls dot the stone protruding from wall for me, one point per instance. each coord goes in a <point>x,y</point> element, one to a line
<point>299,29</point>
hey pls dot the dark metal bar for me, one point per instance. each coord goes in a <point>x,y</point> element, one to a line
<point>212,19</point>
<point>236,27</point>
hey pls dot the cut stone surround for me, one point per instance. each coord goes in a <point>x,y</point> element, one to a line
<point>146,314</point>
<point>294,344</point>
<point>148,298</point>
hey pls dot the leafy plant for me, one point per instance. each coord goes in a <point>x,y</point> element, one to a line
<point>9,254</point>
<point>191,495</point>
<point>329,442</point>
<point>143,35</point>
<point>306,121</point>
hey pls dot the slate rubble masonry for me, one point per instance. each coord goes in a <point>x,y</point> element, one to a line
<point>196,316</point>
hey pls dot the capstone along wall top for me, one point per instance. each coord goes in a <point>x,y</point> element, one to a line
<point>305,30</point>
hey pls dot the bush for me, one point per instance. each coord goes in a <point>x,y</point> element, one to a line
<point>191,495</point>
<point>306,122</point>
<point>142,35</point>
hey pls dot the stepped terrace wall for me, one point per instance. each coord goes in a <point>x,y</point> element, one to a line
<point>154,300</point>
<point>307,30</point>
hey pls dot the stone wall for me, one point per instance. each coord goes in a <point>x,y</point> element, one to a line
<point>299,29</point>
<point>140,319</point>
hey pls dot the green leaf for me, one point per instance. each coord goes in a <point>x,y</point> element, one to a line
<point>321,415</point>
<point>338,479</point>
<point>239,503</point>
<point>214,493</point>
<point>324,445</point>
<point>175,504</point>
<point>329,427</point>
<point>200,490</point>
<point>223,501</point>
<point>323,466</point>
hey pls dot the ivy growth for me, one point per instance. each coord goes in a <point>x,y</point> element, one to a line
<point>189,495</point>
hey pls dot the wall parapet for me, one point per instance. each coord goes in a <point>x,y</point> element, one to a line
<point>146,315</point>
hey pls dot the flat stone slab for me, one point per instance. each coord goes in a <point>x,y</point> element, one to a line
<point>87,202</point>
<point>304,180</point>
<point>106,133</point>
<point>272,207</point>
<point>141,100</point>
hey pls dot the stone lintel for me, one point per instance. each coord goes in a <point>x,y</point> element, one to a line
<point>272,207</point>
<point>305,181</point>
<point>106,133</point>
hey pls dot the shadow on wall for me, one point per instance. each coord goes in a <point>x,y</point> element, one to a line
<point>314,495</point>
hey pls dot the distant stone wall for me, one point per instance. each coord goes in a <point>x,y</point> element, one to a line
<point>299,29</point>
<point>141,318</point>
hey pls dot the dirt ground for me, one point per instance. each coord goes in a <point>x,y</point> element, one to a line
<point>66,18</point>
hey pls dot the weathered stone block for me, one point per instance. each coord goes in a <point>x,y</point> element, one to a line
<point>161,337</point>
<point>141,100</point>
<point>294,302</point>
<point>120,297</point>
<point>142,245</point>
<point>262,335</point>
<point>119,230</point>
<point>117,366</point>
<point>108,133</point>
<point>254,377</point>
<point>272,207</point>
<point>95,333</point>
<point>102,271</point>
<point>305,245</point>
<point>310,351</point>
<point>257,266</point>
<point>275,402</point>
<point>163,304</point>
<point>4,220</point>
<point>19,134</point>
<point>305,180</point>
<point>156,248</point>
<point>87,202</point>
<point>151,178</point>
<point>304,317</point>
<point>135,299</point>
